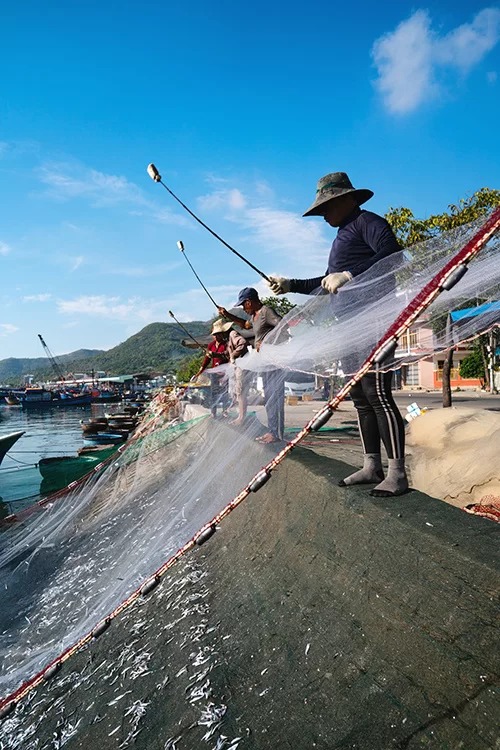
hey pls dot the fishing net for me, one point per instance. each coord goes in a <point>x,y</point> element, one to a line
<point>339,331</point>
<point>453,454</point>
<point>67,567</point>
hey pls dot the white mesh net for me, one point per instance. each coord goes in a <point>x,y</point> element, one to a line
<point>65,568</point>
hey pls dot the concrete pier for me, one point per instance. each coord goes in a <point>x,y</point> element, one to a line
<point>315,617</point>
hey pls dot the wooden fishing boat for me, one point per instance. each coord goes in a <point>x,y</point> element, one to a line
<point>105,397</point>
<point>11,399</point>
<point>36,397</point>
<point>7,441</point>
<point>59,471</point>
<point>92,426</point>
<point>40,397</point>
<point>122,423</point>
<point>72,399</point>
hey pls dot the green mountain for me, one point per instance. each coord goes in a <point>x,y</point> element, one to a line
<point>13,369</point>
<point>157,347</point>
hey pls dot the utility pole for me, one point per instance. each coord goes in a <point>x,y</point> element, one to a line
<point>491,349</point>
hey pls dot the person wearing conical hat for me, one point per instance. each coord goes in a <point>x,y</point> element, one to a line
<point>217,355</point>
<point>363,239</point>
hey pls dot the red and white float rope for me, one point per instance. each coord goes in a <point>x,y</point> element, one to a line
<point>444,280</point>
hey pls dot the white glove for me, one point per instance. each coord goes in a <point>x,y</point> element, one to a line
<point>279,285</point>
<point>334,281</point>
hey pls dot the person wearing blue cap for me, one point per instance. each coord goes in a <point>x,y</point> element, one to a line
<point>263,319</point>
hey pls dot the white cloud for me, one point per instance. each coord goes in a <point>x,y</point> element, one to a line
<point>410,59</point>
<point>162,215</point>
<point>284,234</point>
<point>101,306</point>
<point>299,240</point>
<point>4,248</point>
<point>193,304</point>
<point>136,312</point>
<point>37,298</point>
<point>143,272</point>
<point>70,180</point>
<point>67,181</point>
<point>75,262</point>
<point>229,198</point>
<point>466,45</point>
<point>6,329</point>
<point>403,60</point>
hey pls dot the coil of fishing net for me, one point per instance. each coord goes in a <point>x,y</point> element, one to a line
<point>68,566</point>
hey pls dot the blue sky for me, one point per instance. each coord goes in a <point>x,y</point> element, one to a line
<point>242,109</point>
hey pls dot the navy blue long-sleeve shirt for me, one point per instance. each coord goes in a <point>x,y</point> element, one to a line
<point>362,240</point>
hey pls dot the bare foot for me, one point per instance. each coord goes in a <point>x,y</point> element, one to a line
<point>267,438</point>
<point>237,422</point>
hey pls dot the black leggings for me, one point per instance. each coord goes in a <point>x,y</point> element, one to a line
<point>378,415</point>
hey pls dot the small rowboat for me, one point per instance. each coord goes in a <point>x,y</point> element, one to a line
<point>12,400</point>
<point>103,438</point>
<point>91,426</point>
<point>60,471</point>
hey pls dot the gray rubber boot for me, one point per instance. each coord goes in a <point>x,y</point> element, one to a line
<point>371,473</point>
<point>396,481</point>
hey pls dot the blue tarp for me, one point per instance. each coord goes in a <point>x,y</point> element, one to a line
<point>471,312</point>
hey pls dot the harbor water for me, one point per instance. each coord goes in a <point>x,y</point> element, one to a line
<point>47,432</point>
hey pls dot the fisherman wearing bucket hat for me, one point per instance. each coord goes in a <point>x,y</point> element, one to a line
<point>217,355</point>
<point>333,186</point>
<point>363,239</point>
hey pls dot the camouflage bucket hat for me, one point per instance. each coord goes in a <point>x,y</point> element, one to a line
<point>333,186</point>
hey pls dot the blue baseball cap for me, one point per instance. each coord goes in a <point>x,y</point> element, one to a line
<point>247,293</point>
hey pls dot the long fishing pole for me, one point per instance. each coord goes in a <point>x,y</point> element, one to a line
<point>180,245</point>
<point>186,331</point>
<point>156,177</point>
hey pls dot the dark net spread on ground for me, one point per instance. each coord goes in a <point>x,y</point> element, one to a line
<point>67,567</point>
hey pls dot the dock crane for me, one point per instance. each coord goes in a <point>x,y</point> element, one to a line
<point>53,361</point>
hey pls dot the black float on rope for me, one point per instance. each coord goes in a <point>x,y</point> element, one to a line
<point>7,710</point>
<point>99,630</point>
<point>322,418</point>
<point>387,351</point>
<point>150,585</point>
<point>454,277</point>
<point>260,480</point>
<point>51,671</point>
<point>205,535</point>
